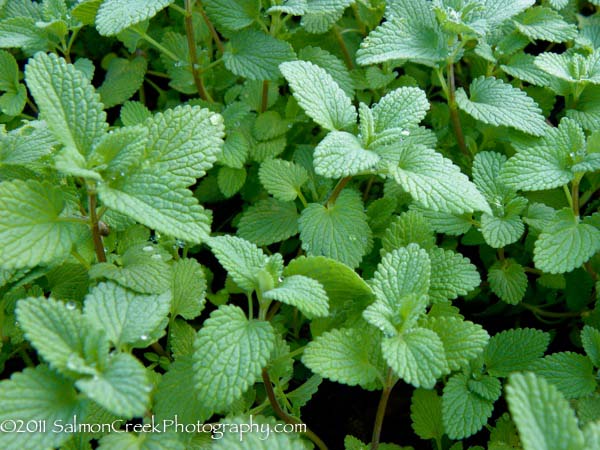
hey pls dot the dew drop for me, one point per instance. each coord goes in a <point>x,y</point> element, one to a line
<point>71,306</point>
<point>280,279</point>
<point>215,119</point>
<point>148,388</point>
<point>156,256</point>
<point>352,238</point>
<point>405,132</point>
<point>122,173</point>
<point>148,248</point>
<point>572,154</point>
<point>17,324</point>
<point>144,337</point>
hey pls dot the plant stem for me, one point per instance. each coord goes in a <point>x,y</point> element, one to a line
<point>155,43</point>
<point>343,47</point>
<point>264,102</point>
<point>368,188</point>
<point>575,194</point>
<point>552,314</point>
<point>285,416</point>
<point>336,191</point>
<point>454,117</point>
<point>383,401</point>
<point>98,245</point>
<point>191,41</point>
<point>302,198</point>
<point>32,105</point>
<point>211,28</point>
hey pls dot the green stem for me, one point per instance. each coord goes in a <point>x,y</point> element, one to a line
<point>568,195</point>
<point>552,314</point>
<point>264,102</point>
<point>302,198</point>
<point>32,105</point>
<point>211,28</point>
<point>155,43</point>
<point>98,245</point>
<point>250,306</point>
<point>368,188</point>
<point>343,47</point>
<point>189,32</point>
<point>383,401</point>
<point>336,191</point>
<point>575,194</point>
<point>285,416</point>
<point>454,116</point>
<point>79,258</point>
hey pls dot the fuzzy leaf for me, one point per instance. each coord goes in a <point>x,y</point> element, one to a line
<point>282,179</point>
<point>269,221</point>
<point>188,287</point>
<point>233,14</point>
<point>495,102</point>
<point>319,95</point>
<point>514,350</point>
<point>341,154</point>
<point>304,293</point>
<point>426,414</point>
<point>508,280</point>
<point>332,64</point>
<point>571,373</point>
<point>401,108</point>
<point>590,338</point>
<point>226,341</point>
<point>116,15</point>
<point>545,24</point>
<point>451,275</point>
<point>409,227</point>
<point>123,78</point>
<point>320,15</point>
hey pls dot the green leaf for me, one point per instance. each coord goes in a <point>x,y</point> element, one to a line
<point>451,275</point>
<point>426,414</point>
<point>319,16</point>
<point>233,14</point>
<point>435,182</point>
<point>134,113</point>
<point>184,142</point>
<point>304,293</point>
<point>129,320</point>
<point>123,78</point>
<point>256,55</point>
<point>495,102</point>
<point>226,341</point>
<point>37,394</point>
<point>159,203</point>
<point>443,222</point>
<point>332,64</point>
<point>571,67</point>
<point>508,280</point>
<point>341,154</point>
<point>514,350</point>
<point>242,260</point>
<point>566,244</point>
<point>67,101</point>
<point>269,221</point>
<point>590,338</point>
<point>22,32</point>
<point>499,232</point>
<point>269,125</point>
<point>339,231</point>
<point>142,441</point>
<point>401,108</point>
<point>188,287</point>
<point>230,180</point>
<point>122,387</point>
<point>417,356</point>
<point>462,340</point>
<point>118,151</point>
<point>61,335</point>
<point>319,95</point>
<point>348,355</point>
<point>588,108</point>
<point>399,38</point>
<point>38,233</point>
<point>171,400</point>
<point>542,415</point>
<point>464,412</point>
<point>282,179</point>
<point>182,336</point>
<point>545,24</point>
<point>548,164</point>
<point>255,440</point>
<point>116,15</point>
<point>497,11</point>
<point>571,373</point>
<point>13,100</point>
<point>408,227</point>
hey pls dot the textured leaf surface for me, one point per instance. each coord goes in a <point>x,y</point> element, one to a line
<point>269,221</point>
<point>116,15</point>
<point>32,230</point>
<point>451,275</point>
<point>590,338</point>
<point>571,373</point>
<point>435,182</point>
<point>304,293</point>
<point>339,231</point>
<point>123,79</point>
<point>320,15</point>
<point>508,280</point>
<point>514,350</point>
<point>233,14</point>
<point>319,95</point>
<point>256,55</point>
<point>37,394</point>
<point>127,318</point>
<point>341,154</point>
<point>496,103</point>
<point>545,24</point>
<point>464,412</point>
<point>282,179</point>
<point>188,287</point>
<point>542,415</point>
<point>417,356</point>
<point>408,227</point>
<point>332,64</point>
<point>67,101</point>
<point>566,244</point>
<point>401,108</point>
<point>349,355</point>
<point>230,352</point>
<point>426,414</point>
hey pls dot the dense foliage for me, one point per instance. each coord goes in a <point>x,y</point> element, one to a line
<point>216,210</point>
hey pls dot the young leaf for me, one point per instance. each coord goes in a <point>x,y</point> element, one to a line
<point>38,233</point>
<point>128,319</point>
<point>417,356</point>
<point>37,394</point>
<point>282,179</point>
<point>409,227</point>
<point>451,275</point>
<point>341,154</point>
<point>435,182</point>
<point>339,231</point>
<point>230,180</point>
<point>426,414</point>
<point>464,412</point>
<point>514,350</point>
<point>508,280</point>
<point>188,287</point>
<point>495,102</point>
<point>233,14</point>
<point>116,15</point>
<point>332,64</point>
<point>319,16</point>
<point>545,24</point>
<point>319,95</point>
<point>256,55</point>
<point>542,415</point>
<point>67,101</point>
<point>123,78</point>
<point>269,221</point>
<point>304,293</point>
<point>566,244</point>
<point>348,355</point>
<point>401,108</point>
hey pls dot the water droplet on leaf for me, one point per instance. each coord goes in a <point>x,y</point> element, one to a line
<point>71,306</point>
<point>148,248</point>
